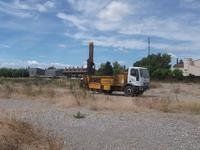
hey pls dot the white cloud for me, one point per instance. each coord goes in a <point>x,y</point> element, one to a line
<point>30,63</point>
<point>117,18</point>
<point>172,55</point>
<point>25,9</point>
<point>105,41</point>
<point>192,4</point>
<point>78,22</point>
<point>62,45</point>
<point>40,8</point>
<point>44,7</point>
<point>115,11</point>
<point>49,4</point>
<point>13,9</point>
<point>88,7</point>
<point>19,5</point>
<point>4,46</point>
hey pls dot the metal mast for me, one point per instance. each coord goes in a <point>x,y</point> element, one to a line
<point>149,53</point>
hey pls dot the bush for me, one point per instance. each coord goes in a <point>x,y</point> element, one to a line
<point>162,74</point>
<point>178,74</point>
<point>13,73</point>
<point>105,69</point>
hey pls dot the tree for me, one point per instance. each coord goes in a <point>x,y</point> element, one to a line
<point>117,68</point>
<point>105,69</point>
<point>154,62</point>
<point>13,73</point>
<point>162,74</point>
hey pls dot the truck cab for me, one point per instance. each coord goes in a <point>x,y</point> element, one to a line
<point>138,81</point>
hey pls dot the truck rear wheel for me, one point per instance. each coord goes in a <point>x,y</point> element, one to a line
<point>128,91</point>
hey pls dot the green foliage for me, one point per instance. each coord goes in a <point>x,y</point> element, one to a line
<point>162,74</point>
<point>178,74</point>
<point>110,69</point>
<point>79,115</point>
<point>105,69</point>
<point>13,73</point>
<point>155,62</point>
<point>117,68</point>
<point>158,65</point>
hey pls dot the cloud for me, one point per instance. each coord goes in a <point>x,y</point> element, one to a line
<point>62,45</point>
<point>14,10</point>
<point>172,55</point>
<point>88,7</point>
<point>78,22</point>
<point>119,19</point>
<point>191,4</point>
<point>49,4</point>
<point>44,7</point>
<point>4,46</point>
<point>105,41</point>
<point>25,9</point>
<point>30,63</point>
<point>114,12</point>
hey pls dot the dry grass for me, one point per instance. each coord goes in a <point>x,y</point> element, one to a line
<point>170,106</point>
<point>67,93</point>
<point>31,88</point>
<point>17,135</point>
<point>155,85</point>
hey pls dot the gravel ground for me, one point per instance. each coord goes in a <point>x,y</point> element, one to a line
<point>109,130</point>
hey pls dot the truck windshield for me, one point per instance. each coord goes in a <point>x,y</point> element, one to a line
<point>144,73</point>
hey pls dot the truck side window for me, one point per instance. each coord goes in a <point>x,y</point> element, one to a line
<point>135,73</point>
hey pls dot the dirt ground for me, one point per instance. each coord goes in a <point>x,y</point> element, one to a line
<point>165,117</point>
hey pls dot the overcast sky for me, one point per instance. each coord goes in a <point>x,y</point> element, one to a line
<point>56,32</point>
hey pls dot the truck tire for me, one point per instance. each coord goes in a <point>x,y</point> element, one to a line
<point>129,91</point>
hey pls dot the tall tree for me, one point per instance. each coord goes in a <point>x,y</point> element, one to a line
<point>105,69</point>
<point>117,68</point>
<point>154,62</point>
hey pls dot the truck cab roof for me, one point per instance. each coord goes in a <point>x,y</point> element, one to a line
<point>137,68</point>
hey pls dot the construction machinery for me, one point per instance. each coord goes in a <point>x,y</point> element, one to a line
<point>133,82</point>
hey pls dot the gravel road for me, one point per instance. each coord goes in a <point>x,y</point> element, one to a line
<point>109,130</point>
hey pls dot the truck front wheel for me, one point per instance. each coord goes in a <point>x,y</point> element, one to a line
<point>128,91</point>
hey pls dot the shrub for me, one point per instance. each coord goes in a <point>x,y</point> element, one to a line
<point>162,74</point>
<point>178,74</point>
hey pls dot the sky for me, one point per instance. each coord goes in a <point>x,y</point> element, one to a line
<point>42,33</point>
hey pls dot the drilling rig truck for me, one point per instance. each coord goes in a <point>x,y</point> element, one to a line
<point>132,82</point>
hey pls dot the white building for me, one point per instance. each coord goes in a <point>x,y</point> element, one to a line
<point>189,67</point>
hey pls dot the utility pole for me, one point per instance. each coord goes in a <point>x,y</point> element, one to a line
<point>149,44</point>
<point>149,53</point>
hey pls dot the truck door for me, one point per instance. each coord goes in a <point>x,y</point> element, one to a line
<point>134,77</point>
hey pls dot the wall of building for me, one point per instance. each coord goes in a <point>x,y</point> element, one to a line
<point>191,67</point>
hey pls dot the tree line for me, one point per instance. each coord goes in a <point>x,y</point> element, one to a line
<point>159,66</point>
<point>13,73</point>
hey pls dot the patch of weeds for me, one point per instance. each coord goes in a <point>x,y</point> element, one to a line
<point>9,90</point>
<point>79,115</point>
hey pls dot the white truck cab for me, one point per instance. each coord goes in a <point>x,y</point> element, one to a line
<point>138,81</point>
